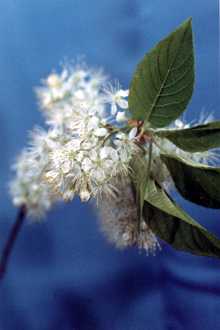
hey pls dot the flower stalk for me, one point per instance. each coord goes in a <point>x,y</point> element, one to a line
<point>11,240</point>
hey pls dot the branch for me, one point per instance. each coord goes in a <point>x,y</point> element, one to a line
<point>11,240</point>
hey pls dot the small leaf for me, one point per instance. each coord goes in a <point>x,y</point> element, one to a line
<point>196,139</point>
<point>173,225</point>
<point>163,82</point>
<point>197,183</point>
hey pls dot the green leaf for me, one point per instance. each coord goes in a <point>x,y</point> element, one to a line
<point>173,225</point>
<point>196,139</point>
<point>163,82</point>
<point>197,183</point>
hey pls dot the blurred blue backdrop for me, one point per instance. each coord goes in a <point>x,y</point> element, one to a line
<point>63,275</point>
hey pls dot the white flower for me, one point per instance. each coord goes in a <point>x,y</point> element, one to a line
<point>87,164</point>
<point>121,117</point>
<point>116,97</point>
<point>100,132</point>
<point>178,123</point>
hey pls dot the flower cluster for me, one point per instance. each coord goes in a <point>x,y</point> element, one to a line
<point>27,188</point>
<point>87,166</point>
<point>62,93</point>
<point>87,145</point>
<point>89,112</point>
<point>87,151</point>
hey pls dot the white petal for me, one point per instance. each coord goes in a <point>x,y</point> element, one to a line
<point>86,164</point>
<point>121,117</point>
<point>100,132</point>
<point>178,123</point>
<point>53,80</point>
<point>108,164</point>
<point>92,111</point>
<point>46,100</point>
<point>98,175</point>
<point>74,145</point>
<point>79,94</point>
<point>93,123</point>
<point>79,156</point>
<point>84,195</point>
<point>76,170</point>
<point>58,93</point>
<point>104,121</point>
<point>66,167</point>
<point>122,103</point>
<point>104,152</point>
<point>93,155</point>
<point>123,92</point>
<point>132,133</point>
<point>68,195</point>
<point>113,108</point>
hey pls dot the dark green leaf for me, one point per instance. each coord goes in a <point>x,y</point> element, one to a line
<point>175,226</point>
<point>196,139</point>
<point>197,183</point>
<point>163,82</point>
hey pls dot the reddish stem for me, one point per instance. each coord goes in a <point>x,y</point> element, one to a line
<point>11,240</point>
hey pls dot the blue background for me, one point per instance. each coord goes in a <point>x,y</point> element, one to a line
<point>63,274</point>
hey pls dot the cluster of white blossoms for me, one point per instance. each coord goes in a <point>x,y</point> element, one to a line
<point>87,166</point>
<point>83,107</point>
<point>87,151</point>
<point>84,149</point>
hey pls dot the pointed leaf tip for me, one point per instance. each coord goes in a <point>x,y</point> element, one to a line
<point>163,82</point>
